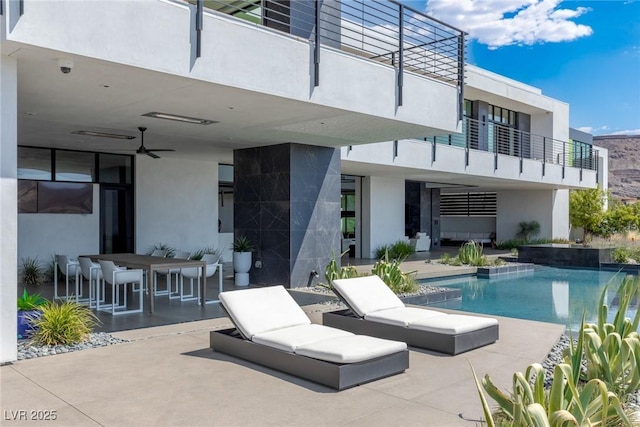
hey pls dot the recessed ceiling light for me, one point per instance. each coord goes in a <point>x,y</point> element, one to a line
<point>184,119</point>
<point>102,134</point>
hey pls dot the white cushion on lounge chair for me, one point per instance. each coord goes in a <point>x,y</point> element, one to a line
<point>453,324</point>
<point>403,316</point>
<point>365,295</point>
<point>350,349</point>
<point>289,339</point>
<point>259,310</point>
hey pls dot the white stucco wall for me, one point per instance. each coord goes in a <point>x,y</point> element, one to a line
<point>561,226</point>
<point>415,156</point>
<point>8,208</point>
<point>233,53</point>
<point>43,235</point>
<point>603,167</point>
<point>176,203</point>
<point>549,207</point>
<point>382,212</point>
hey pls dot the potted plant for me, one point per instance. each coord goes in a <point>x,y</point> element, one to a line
<point>28,309</point>
<point>242,248</point>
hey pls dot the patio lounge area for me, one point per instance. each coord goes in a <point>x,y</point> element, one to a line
<point>169,312</point>
<point>169,376</point>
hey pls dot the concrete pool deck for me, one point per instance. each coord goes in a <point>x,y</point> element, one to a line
<point>169,376</point>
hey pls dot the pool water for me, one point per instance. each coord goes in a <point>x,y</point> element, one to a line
<point>548,294</point>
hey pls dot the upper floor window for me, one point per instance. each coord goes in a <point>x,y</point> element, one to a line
<point>502,116</point>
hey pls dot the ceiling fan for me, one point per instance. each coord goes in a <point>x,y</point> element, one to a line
<point>148,151</point>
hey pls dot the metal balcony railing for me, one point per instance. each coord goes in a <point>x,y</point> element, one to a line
<point>378,30</point>
<point>504,140</point>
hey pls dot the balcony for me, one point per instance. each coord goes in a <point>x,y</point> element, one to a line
<point>378,30</point>
<point>507,141</point>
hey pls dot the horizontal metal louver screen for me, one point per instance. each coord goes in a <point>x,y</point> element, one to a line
<point>468,204</point>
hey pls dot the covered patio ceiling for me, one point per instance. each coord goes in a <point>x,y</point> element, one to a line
<point>113,98</point>
<point>107,97</point>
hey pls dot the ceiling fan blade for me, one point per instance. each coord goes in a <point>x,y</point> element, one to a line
<point>150,154</point>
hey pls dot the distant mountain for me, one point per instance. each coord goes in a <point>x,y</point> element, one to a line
<point>624,163</point>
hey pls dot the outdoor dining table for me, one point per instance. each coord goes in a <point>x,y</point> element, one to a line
<point>152,264</point>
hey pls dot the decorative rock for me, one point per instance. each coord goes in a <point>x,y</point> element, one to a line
<point>26,350</point>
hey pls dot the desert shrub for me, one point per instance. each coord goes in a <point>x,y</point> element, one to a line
<point>514,243</point>
<point>600,370</point>
<point>611,350</point>
<point>529,404</point>
<point>388,270</point>
<point>445,258</point>
<point>621,255</point>
<point>471,253</point>
<point>32,272</point>
<point>528,230</point>
<point>401,250</point>
<point>391,274</point>
<point>380,250</point>
<point>510,244</point>
<point>333,272</point>
<point>397,250</point>
<point>62,323</point>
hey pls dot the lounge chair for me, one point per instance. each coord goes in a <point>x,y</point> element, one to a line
<point>273,331</point>
<point>375,310</point>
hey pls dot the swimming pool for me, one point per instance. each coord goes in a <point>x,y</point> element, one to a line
<point>548,294</point>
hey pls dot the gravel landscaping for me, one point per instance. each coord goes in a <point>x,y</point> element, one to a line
<point>27,350</point>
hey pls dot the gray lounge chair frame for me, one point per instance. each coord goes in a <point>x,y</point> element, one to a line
<point>334,375</point>
<point>439,342</point>
<point>339,376</point>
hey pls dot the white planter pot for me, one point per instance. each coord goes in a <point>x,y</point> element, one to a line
<point>242,265</point>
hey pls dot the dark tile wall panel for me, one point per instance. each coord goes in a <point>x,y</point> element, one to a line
<point>290,202</point>
<point>564,255</point>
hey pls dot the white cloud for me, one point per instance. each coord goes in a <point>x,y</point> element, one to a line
<point>627,132</point>
<point>498,23</point>
<point>587,129</point>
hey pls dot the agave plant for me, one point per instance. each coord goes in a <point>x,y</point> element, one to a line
<point>393,276</point>
<point>197,255</point>
<point>529,405</point>
<point>471,253</point>
<point>611,350</point>
<point>333,272</point>
<point>169,251</point>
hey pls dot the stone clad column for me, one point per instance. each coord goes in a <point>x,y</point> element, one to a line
<point>287,201</point>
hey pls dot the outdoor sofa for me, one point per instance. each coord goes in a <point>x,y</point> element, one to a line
<point>375,310</point>
<point>272,330</point>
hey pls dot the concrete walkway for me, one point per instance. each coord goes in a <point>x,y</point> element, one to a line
<point>169,376</point>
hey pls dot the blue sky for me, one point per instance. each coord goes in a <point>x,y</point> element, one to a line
<point>585,53</point>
